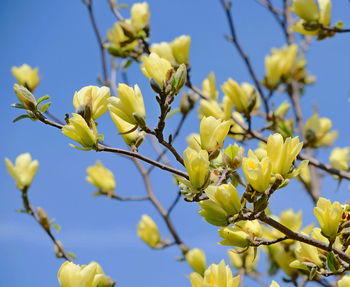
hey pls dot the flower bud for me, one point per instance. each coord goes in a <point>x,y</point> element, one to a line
<point>26,76</point>
<point>340,158</point>
<point>147,230</point>
<point>140,15</point>
<point>181,47</point>
<point>179,79</point>
<point>78,130</point>
<point>233,156</point>
<point>213,213</point>
<point>92,96</point>
<point>234,237</point>
<point>154,67</point>
<point>23,171</point>
<point>101,177</point>
<point>58,248</point>
<point>25,97</point>
<point>43,218</point>
<point>329,216</point>
<point>213,133</point>
<point>196,259</point>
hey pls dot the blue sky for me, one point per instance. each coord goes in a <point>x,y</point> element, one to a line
<point>57,37</point>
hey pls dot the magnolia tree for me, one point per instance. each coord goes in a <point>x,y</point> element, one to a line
<point>230,183</point>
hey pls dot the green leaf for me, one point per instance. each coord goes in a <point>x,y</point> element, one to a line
<point>57,227</point>
<point>19,210</point>
<point>45,107</point>
<point>127,64</point>
<point>331,262</point>
<point>71,255</point>
<point>18,106</point>
<point>21,117</point>
<point>173,112</point>
<point>43,98</point>
<point>123,6</point>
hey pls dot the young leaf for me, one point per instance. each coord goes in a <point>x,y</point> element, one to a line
<point>21,117</point>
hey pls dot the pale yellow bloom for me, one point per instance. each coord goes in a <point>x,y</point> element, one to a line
<point>154,67</point>
<point>305,175</point>
<point>282,258</point>
<point>325,12</point>
<point>274,284</point>
<point>197,166</point>
<point>257,172</point>
<point>117,41</point>
<point>78,130</point>
<point>217,275</point>
<point>130,137</point>
<point>181,49</point>
<point>317,131</point>
<point>226,196</point>
<point>194,142</point>
<point>196,259</point>
<point>129,105</point>
<point>26,76</point>
<point>305,253</point>
<point>244,98</point>
<point>93,96</point>
<point>213,213</point>
<point>329,216</point>
<point>163,50</point>
<point>213,133</point>
<point>91,275</point>
<point>148,231</point>
<point>306,9</point>
<point>344,281</point>
<point>140,15</point>
<point>212,108</point>
<point>101,177</point>
<point>23,171</point>
<point>282,153</point>
<point>234,237</point>
<point>292,220</point>
<point>340,158</point>
<point>209,87</point>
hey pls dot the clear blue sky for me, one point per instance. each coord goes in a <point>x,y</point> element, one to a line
<point>57,37</point>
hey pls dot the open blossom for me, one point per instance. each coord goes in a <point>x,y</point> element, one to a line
<point>148,231</point>
<point>101,177</point>
<point>26,76</point>
<point>140,15</point>
<point>154,67</point>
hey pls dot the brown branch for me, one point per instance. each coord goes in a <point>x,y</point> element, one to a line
<point>89,5</point>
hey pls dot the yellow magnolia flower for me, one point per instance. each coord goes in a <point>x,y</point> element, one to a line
<point>148,231</point>
<point>247,260</point>
<point>131,138</point>
<point>283,258</point>
<point>244,98</point>
<point>217,275</point>
<point>181,49</point>
<point>23,171</point>
<point>154,67</point>
<point>209,87</point>
<point>25,97</point>
<point>306,253</point>
<point>234,237</point>
<point>26,76</point>
<point>329,216</point>
<point>213,213</point>
<point>129,105</point>
<point>78,130</point>
<point>196,259</point>
<point>325,12</point>
<point>163,50</point>
<point>257,172</point>
<point>140,15</point>
<point>305,175</point>
<point>306,9</point>
<point>317,131</point>
<point>282,153</point>
<point>194,142</point>
<point>233,156</point>
<point>101,177</point>
<point>292,220</point>
<point>93,96</point>
<point>274,284</point>
<point>91,275</point>
<point>197,166</point>
<point>279,65</point>
<point>226,196</point>
<point>344,281</point>
<point>213,133</point>
<point>119,44</point>
<point>340,158</point>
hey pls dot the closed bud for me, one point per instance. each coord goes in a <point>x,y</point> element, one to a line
<point>257,172</point>
<point>226,196</point>
<point>306,9</point>
<point>25,97</point>
<point>179,79</point>
<point>129,105</point>
<point>43,218</point>
<point>23,171</point>
<point>58,249</point>
<point>329,216</point>
<point>94,97</point>
<point>181,49</point>
<point>140,15</point>
<point>154,67</point>
<point>213,213</point>
<point>101,177</point>
<point>233,156</point>
<point>233,237</point>
<point>147,230</point>
<point>196,259</point>
<point>197,166</point>
<point>78,130</point>
<point>340,158</point>
<point>26,76</point>
<point>213,133</point>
